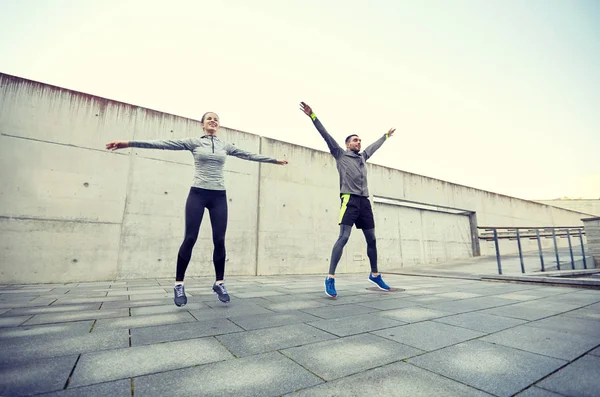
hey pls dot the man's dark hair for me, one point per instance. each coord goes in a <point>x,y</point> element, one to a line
<point>349,136</point>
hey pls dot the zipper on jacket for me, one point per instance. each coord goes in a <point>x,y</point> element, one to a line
<point>213,143</point>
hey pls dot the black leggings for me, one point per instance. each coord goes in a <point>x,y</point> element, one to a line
<point>216,203</point>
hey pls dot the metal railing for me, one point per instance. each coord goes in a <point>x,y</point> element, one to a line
<point>493,233</point>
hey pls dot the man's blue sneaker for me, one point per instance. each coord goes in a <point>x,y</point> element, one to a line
<point>378,281</point>
<point>330,287</point>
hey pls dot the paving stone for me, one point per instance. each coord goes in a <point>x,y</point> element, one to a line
<point>269,374</point>
<point>580,378</point>
<point>352,325</point>
<point>523,313</point>
<point>554,306</point>
<point>481,322</point>
<point>346,356</point>
<point>258,321</point>
<point>518,297</point>
<point>569,325</point>
<point>29,348</point>
<point>596,351</point>
<point>36,376</point>
<point>77,316</point>
<point>257,294</point>
<point>6,321</point>
<point>118,304</point>
<point>459,295</point>
<point>424,299</point>
<point>496,369</point>
<point>428,335</point>
<point>413,314</point>
<point>294,305</point>
<point>469,305</point>
<point>81,294</point>
<point>585,314</point>
<point>397,379</point>
<point>144,321</point>
<point>145,297</point>
<point>191,330</point>
<point>265,340</point>
<point>134,361</point>
<point>388,304</point>
<point>262,302</point>
<point>61,329</point>
<point>146,291</point>
<point>574,299</point>
<point>54,309</point>
<point>119,388</point>
<point>537,392</point>
<point>171,308</point>
<point>77,301</point>
<point>544,341</point>
<point>328,312</point>
<point>319,297</point>
<point>226,311</point>
<point>8,305</point>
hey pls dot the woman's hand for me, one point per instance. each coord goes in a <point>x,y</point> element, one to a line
<point>117,145</point>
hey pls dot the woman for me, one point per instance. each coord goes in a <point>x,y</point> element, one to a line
<point>207,191</point>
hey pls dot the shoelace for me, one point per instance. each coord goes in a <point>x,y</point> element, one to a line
<point>179,291</point>
<point>222,288</point>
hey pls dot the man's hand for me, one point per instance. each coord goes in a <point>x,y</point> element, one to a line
<point>305,108</point>
<point>282,162</point>
<point>390,132</point>
<point>117,145</point>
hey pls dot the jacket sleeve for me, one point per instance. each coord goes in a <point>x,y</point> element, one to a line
<point>242,154</point>
<point>372,148</point>
<point>333,146</point>
<point>168,144</point>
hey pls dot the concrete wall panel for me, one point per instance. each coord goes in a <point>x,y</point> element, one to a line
<point>590,206</point>
<point>61,182</point>
<point>39,251</point>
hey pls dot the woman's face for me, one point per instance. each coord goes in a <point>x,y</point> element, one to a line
<point>211,123</point>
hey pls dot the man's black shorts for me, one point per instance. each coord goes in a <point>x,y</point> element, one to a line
<point>356,210</point>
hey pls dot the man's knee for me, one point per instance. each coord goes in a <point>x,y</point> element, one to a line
<point>370,237</point>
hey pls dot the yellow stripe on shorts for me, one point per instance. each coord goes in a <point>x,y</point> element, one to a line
<point>345,199</point>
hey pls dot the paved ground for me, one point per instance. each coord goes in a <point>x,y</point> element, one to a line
<point>281,336</point>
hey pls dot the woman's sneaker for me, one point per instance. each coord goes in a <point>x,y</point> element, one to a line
<point>180,298</point>
<point>219,289</point>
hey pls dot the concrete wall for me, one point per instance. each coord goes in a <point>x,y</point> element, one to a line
<point>592,231</point>
<point>591,207</point>
<point>72,211</point>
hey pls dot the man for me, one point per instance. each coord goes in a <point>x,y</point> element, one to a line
<point>354,194</point>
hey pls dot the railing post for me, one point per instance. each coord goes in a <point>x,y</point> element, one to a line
<point>497,251</point>
<point>570,250</point>
<point>520,252</point>
<point>582,249</point>
<point>555,249</point>
<point>537,233</point>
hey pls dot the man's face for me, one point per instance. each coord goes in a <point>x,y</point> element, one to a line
<point>353,143</point>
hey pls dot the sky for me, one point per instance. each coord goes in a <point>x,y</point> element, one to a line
<point>500,95</point>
